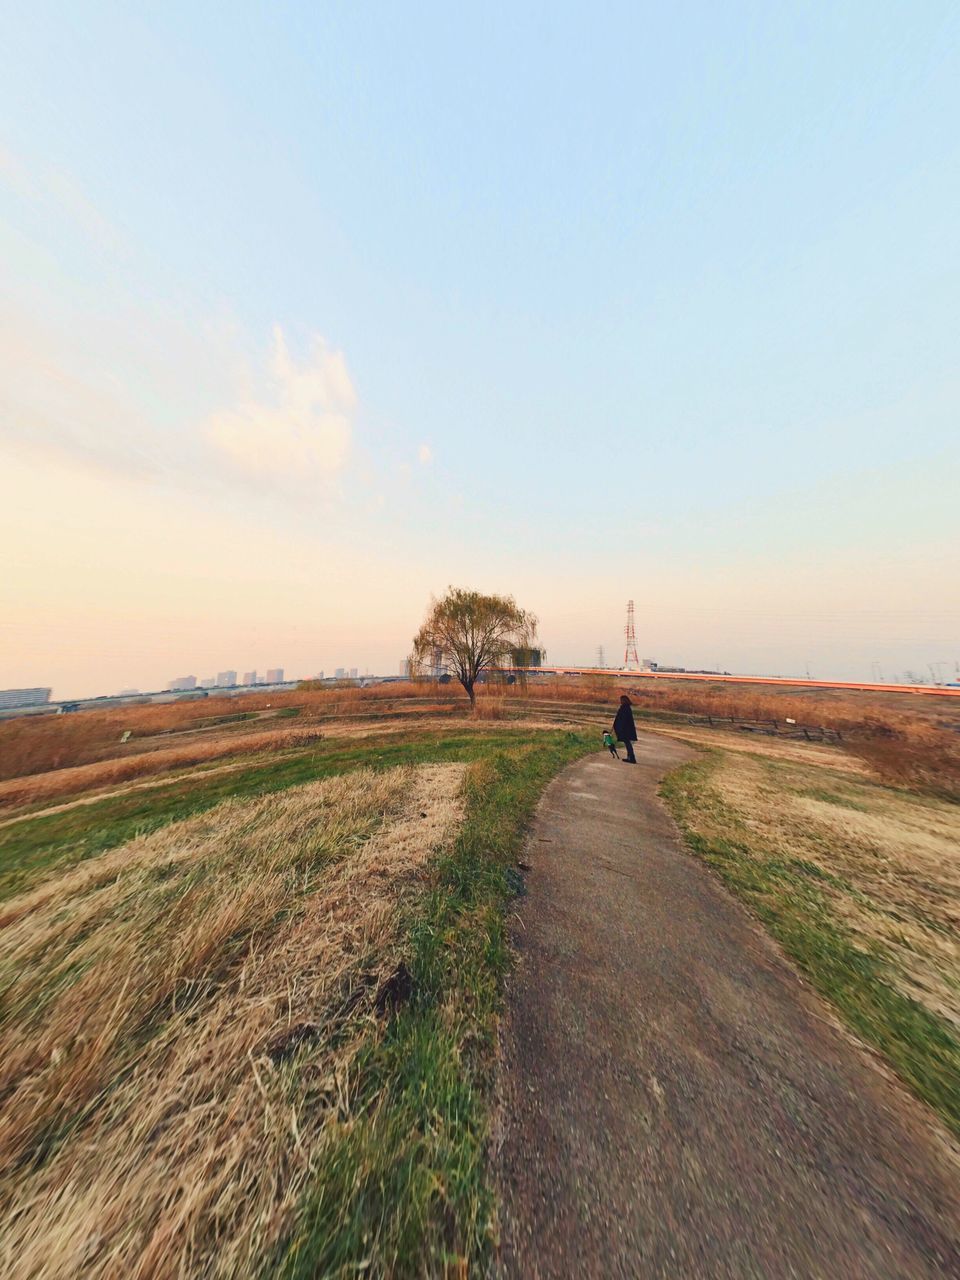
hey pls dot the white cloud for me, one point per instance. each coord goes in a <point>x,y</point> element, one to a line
<point>425,454</point>
<point>109,377</point>
<point>300,426</point>
<point>105,407</point>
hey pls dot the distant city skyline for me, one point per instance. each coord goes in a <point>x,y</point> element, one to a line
<point>941,672</point>
<point>307,316</point>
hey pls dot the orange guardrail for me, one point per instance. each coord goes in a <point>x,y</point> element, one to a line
<point>623,674</point>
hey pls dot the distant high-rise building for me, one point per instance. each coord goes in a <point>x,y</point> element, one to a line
<point>340,674</point>
<point>181,683</point>
<point>275,675</point>
<point>249,677</point>
<point>23,698</point>
<point>353,673</point>
<point>226,679</point>
<point>208,682</point>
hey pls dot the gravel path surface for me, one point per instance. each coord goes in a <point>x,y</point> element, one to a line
<point>675,1101</point>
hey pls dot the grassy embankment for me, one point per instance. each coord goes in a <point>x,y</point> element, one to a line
<point>907,739</point>
<point>39,744</point>
<point>860,884</point>
<point>31,846</point>
<point>254,1035</point>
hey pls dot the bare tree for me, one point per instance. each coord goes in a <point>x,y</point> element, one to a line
<point>470,633</point>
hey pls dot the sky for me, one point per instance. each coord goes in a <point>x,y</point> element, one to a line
<point>310,310</point>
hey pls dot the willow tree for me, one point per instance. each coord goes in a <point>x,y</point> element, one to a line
<point>469,633</point>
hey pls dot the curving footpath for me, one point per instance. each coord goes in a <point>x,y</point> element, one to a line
<point>675,1101</point>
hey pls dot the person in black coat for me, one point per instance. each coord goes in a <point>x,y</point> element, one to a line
<point>624,730</point>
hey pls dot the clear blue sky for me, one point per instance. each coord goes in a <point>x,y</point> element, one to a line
<point>622,300</point>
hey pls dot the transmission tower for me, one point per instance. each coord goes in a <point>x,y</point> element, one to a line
<point>601,656</point>
<point>436,669</point>
<point>631,659</point>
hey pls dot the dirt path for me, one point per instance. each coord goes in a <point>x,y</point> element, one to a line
<point>675,1101</point>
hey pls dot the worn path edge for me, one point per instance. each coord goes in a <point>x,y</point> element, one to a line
<point>673,1099</point>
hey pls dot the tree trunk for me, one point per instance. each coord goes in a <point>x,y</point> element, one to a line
<point>468,685</point>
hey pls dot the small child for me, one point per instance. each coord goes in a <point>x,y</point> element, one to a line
<point>609,743</point>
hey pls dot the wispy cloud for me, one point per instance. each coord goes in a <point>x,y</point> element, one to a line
<point>49,406</point>
<point>117,378</point>
<point>299,428</point>
<point>47,187</point>
<point>278,424</point>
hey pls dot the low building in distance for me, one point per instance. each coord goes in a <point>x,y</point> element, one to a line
<point>353,673</point>
<point>226,679</point>
<point>23,698</point>
<point>249,677</point>
<point>275,675</point>
<point>180,683</point>
<point>208,682</point>
<point>340,673</point>
<point>525,657</point>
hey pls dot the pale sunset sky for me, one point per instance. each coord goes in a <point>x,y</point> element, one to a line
<point>308,310</point>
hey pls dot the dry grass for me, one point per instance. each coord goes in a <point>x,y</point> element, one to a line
<point>890,864</point>
<point>109,776</point>
<point>812,754</point>
<point>908,740</point>
<point>835,708</point>
<point>40,787</point>
<point>489,706</point>
<point>158,1120</point>
<point>859,881</point>
<point>94,794</point>
<point>36,744</point>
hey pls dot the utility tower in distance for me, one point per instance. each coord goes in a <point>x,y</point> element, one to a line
<point>601,656</point>
<point>631,659</point>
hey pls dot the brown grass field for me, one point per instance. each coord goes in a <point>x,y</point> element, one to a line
<point>153,996</point>
<point>38,744</point>
<point>907,739</point>
<point>859,882</point>
<point>196,1046</point>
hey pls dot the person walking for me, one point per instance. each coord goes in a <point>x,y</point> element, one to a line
<point>624,730</point>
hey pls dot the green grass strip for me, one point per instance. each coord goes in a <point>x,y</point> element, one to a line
<point>401,1188</point>
<point>32,847</point>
